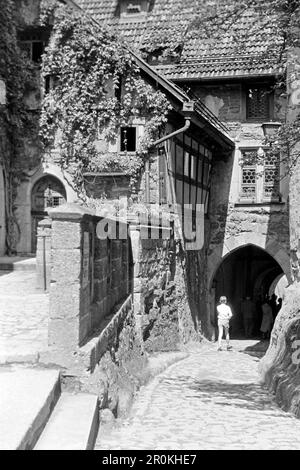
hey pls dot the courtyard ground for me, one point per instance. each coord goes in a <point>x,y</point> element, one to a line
<point>24,313</point>
<point>210,400</point>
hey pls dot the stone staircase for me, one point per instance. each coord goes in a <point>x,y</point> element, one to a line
<point>36,414</point>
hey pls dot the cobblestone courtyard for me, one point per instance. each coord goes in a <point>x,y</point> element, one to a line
<point>23,316</point>
<point>211,400</point>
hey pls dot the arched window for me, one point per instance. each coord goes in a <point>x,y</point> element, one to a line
<point>46,193</point>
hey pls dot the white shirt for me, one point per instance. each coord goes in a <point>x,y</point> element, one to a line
<point>224,312</point>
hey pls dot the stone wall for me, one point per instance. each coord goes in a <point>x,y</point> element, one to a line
<point>89,276</point>
<point>93,336</point>
<point>280,366</point>
<point>115,362</point>
<point>163,295</point>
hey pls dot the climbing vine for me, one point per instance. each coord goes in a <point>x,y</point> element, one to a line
<point>95,88</point>
<point>17,74</point>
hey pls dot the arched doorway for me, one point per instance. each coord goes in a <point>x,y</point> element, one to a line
<point>248,271</point>
<point>47,192</point>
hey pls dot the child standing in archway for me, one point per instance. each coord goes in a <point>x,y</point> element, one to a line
<point>224,316</point>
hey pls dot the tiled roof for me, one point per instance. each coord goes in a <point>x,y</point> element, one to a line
<point>218,67</point>
<point>244,49</point>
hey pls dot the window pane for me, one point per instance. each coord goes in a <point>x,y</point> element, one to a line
<point>179,160</point>
<point>128,139</point>
<point>193,196</point>
<point>193,166</point>
<point>200,170</point>
<point>186,193</point>
<point>258,102</point>
<point>186,163</point>
<point>206,173</point>
<point>37,51</point>
<point>133,7</point>
<point>179,192</point>
<point>248,189</point>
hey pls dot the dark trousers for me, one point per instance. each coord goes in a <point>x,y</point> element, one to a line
<point>248,326</point>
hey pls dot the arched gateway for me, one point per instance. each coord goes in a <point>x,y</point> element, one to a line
<point>246,271</point>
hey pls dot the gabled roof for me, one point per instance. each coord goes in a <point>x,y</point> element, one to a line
<point>202,114</point>
<point>243,50</point>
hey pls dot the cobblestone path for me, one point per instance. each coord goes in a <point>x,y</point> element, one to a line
<point>23,316</point>
<point>211,400</point>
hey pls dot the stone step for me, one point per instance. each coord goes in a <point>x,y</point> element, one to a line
<point>27,398</point>
<point>17,263</point>
<point>73,424</point>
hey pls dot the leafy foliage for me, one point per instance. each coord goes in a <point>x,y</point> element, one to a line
<point>18,74</point>
<point>96,89</point>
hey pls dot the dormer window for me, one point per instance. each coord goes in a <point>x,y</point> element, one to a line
<point>133,9</point>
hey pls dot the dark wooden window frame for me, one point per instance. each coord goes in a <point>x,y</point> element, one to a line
<point>245,89</point>
<point>203,157</point>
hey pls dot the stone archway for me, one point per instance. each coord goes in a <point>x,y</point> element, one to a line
<point>246,270</point>
<point>47,192</point>
<point>271,246</point>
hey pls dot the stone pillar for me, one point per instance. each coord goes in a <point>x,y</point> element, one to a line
<point>70,315</point>
<point>43,254</point>
<point>138,303</point>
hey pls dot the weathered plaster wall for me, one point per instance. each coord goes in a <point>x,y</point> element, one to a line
<point>227,101</point>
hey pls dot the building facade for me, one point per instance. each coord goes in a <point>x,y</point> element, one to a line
<point>234,74</point>
<point>226,91</point>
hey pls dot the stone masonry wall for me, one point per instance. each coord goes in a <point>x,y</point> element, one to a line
<point>280,366</point>
<point>94,273</point>
<point>164,304</point>
<point>93,336</point>
<point>116,364</point>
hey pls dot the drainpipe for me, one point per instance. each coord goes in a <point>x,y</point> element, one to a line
<point>179,131</point>
<point>188,108</point>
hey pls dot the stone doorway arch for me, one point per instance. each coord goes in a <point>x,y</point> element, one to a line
<point>270,245</point>
<point>46,193</point>
<point>247,270</point>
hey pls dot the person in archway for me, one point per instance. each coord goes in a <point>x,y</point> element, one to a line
<point>224,315</point>
<point>248,313</point>
<point>273,303</point>
<point>267,319</point>
<point>278,307</point>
